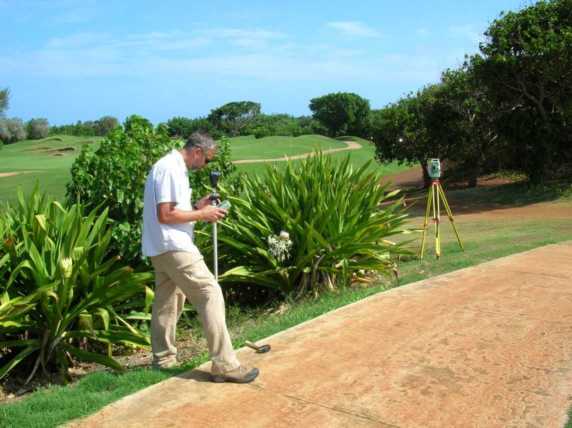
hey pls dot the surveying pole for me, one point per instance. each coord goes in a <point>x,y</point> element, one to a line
<point>435,197</point>
<point>214,196</point>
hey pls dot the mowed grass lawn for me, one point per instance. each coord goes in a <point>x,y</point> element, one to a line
<point>243,148</point>
<point>48,161</point>
<point>249,147</point>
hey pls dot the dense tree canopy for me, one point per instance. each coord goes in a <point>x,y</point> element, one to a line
<point>90,128</point>
<point>526,66</point>
<point>508,107</point>
<point>232,117</point>
<point>37,128</point>
<point>342,113</point>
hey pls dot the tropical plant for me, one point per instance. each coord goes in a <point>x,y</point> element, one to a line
<point>312,226</point>
<point>61,293</point>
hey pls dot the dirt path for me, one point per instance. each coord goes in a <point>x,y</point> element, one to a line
<point>487,346</point>
<point>350,145</point>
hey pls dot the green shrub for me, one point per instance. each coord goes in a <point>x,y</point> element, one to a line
<point>90,128</point>
<point>37,128</point>
<point>337,231</point>
<point>12,130</point>
<point>342,113</point>
<point>183,127</point>
<point>266,125</point>
<point>61,293</point>
<point>113,177</point>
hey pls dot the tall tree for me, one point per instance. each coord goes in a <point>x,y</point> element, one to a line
<point>475,124</point>
<point>526,64</point>
<point>416,128</point>
<point>232,117</point>
<point>342,113</point>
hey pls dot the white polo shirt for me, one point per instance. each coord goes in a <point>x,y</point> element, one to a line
<point>168,181</point>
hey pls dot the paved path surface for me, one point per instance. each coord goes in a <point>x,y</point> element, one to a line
<point>350,145</point>
<point>488,346</point>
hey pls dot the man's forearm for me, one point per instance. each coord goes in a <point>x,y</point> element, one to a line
<point>176,216</point>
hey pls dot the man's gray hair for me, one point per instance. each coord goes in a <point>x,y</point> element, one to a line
<point>200,140</point>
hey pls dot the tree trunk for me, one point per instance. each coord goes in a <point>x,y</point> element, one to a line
<point>474,170</point>
<point>426,178</point>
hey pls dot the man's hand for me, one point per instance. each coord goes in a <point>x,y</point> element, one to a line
<point>168,214</point>
<point>212,214</point>
<point>203,202</point>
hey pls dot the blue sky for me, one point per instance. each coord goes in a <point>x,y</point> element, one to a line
<point>69,60</point>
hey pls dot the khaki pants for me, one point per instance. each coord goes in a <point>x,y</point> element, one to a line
<point>179,274</point>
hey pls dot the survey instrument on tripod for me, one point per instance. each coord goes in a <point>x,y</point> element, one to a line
<point>435,198</point>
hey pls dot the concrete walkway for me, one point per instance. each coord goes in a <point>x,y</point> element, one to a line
<point>488,346</point>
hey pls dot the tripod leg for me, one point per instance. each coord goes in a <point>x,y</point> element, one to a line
<point>436,217</point>
<point>450,214</point>
<point>426,222</point>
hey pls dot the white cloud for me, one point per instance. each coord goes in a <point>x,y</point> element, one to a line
<point>169,41</point>
<point>227,53</point>
<point>354,29</point>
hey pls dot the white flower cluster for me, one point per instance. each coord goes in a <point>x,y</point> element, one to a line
<point>280,246</point>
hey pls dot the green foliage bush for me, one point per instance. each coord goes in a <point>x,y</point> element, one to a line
<point>233,117</point>
<point>37,128</point>
<point>90,128</point>
<point>12,130</point>
<point>183,127</point>
<point>342,113</point>
<point>113,177</point>
<point>337,231</point>
<point>61,292</point>
<point>266,125</point>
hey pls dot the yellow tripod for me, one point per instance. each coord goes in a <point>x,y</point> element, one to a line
<point>434,198</point>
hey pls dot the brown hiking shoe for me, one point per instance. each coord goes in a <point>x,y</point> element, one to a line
<point>239,375</point>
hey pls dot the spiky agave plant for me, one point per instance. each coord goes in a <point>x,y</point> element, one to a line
<point>61,288</point>
<point>335,227</point>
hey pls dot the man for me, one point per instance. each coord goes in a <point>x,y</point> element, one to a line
<point>168,220</point>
